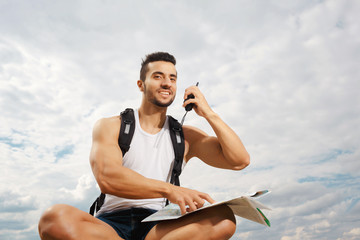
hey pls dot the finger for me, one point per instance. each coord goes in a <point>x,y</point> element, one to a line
<point>199,203</point>
<point>207,198</point>
<point>182,207</point>
<point>192,206</point>
<point>191,100</point>
<point>187,93</point>
<point>191,90</point>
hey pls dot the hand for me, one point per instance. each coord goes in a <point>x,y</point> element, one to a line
<point>201,106</point>
<point>188,197</point>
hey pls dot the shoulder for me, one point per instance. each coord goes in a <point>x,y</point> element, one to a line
<point>192,133</point>
<point>107,128</point>
<point>193,139</point>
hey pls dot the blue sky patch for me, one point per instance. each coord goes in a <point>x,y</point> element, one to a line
<point>11,143</point>
<point>330,156</point>
<point>69,149</point>
<point>336,180</point>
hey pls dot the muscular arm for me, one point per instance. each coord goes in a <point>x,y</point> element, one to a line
<point>113,178</point>
<point>223,151</point>
<point>106,162</point>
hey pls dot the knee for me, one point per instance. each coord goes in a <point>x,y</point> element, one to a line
<point>53,222</point>
<point>225,229</point>
<point>226,224</point>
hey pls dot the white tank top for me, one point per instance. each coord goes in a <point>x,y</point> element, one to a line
<point>150,155</point>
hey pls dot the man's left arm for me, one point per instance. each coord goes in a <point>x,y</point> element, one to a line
<point>223,151</point>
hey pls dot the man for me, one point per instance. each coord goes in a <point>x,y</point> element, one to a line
<point>135,184</point>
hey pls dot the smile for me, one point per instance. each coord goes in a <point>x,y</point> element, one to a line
<point>164,93</point>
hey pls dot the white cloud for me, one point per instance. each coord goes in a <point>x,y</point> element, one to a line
<point>351,235</point>
<point>283,74</point>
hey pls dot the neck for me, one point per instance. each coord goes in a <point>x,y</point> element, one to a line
<point>152,118</point>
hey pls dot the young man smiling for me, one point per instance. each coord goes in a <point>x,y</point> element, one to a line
<point>137,184</point>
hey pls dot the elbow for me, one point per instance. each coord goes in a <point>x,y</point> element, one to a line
<point>104,185</point>
<point>243,164</point>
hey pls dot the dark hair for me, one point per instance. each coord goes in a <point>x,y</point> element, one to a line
<point>153,57</point>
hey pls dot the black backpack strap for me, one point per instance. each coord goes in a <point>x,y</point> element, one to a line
<point>97,204</point>
<point>126,134</point>
<point>177,139</point>
<point>127,129</point>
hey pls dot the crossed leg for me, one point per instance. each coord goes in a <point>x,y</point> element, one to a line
<point>64,222</point>
<point>67,222</point>
<point>212,223</point>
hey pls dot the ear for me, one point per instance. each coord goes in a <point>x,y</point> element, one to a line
<point>140,85</point>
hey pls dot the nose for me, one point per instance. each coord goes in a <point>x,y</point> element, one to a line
<point>166,82</point>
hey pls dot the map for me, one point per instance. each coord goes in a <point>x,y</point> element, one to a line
<point>243,206</point>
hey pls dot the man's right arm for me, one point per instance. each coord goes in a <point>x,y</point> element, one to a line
<point>106,163</point>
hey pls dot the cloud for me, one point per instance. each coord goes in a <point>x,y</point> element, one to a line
<point>282,74</point>
<point>13,202</point>
<point>352,234</point>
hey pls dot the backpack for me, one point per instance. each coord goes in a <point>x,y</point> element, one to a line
<point>127,130</point>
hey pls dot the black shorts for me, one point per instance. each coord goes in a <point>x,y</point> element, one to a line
<point>127,223</point>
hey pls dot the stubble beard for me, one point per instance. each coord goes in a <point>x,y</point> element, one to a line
<point>156,102</point>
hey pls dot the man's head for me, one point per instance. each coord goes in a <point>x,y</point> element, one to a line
<point>158,77</point>
<point>154,57</point>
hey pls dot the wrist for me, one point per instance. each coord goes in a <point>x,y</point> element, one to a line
<point>211,116</point>
<point>167,190</point>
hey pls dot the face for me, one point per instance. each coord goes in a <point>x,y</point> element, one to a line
<point>159,86</point>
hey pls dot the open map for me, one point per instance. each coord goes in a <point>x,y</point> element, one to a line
<point>243,206</point>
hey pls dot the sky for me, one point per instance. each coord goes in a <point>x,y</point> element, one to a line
<point>283,74</point>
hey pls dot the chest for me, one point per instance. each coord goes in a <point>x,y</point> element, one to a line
<point>150,155</point>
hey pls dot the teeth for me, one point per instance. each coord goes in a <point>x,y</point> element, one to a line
<point>165,93</point>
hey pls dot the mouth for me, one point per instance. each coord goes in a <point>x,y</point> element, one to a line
<point>165,93</point>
